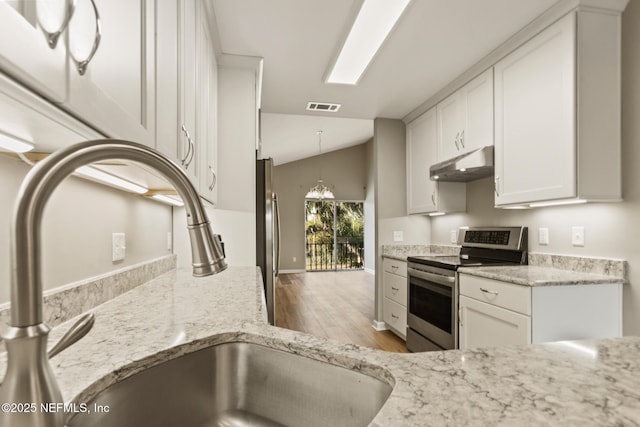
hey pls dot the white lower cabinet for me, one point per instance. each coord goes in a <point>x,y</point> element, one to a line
<point>394,305</point>
<point>495,313</point>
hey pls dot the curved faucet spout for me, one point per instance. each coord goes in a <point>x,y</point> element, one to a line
<point>26,283</point>
<point>28,377</point>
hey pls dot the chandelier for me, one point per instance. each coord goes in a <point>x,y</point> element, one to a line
<point>320,191</point>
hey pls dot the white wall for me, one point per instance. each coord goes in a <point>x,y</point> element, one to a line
<point>77,226</point>
<point>238,231</point>
<point>370,212</point>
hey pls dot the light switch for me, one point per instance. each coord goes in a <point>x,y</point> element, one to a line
<point>453,236</point>
<point>398,236</point>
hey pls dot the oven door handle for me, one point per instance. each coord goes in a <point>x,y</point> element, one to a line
<point>436,278</point>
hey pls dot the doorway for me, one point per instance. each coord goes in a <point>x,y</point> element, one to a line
<point>334,235</point>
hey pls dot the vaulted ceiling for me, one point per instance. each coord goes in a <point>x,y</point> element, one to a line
<point>434,42</point>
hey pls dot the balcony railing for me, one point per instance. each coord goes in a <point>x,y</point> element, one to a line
<point>347,256</point>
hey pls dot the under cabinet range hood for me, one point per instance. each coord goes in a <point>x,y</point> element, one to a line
<point>470,166</point>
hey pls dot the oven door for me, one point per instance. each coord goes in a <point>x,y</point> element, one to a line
<point>432,303</point>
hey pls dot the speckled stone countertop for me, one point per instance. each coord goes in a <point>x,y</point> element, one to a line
<point>401,252</point>
<point>551,269</point>
<point>586,383</point>
<point>529,275</point>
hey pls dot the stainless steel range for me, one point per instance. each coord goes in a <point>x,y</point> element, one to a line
<point>432,283</point>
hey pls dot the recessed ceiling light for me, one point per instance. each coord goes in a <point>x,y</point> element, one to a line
<point>372,26</point>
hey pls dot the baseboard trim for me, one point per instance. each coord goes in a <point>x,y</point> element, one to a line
<point>291,271</point>
<point>370,270</point>
<point>379,326</point>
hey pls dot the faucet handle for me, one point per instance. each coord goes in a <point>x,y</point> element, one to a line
<point>76,332</point>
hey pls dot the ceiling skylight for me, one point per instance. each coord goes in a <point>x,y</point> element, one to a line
<point>373,24</point>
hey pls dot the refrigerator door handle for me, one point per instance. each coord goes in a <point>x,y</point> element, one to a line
<point>276,209</point>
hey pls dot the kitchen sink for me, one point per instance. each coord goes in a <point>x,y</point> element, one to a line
<point>237,385</point>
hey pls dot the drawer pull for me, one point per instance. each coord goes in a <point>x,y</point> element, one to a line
<point>488,292</point>
<point>394,267</point>
<point>395,289</point>
<point>394,316</point>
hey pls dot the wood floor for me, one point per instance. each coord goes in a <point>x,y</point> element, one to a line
<point>334,305</point>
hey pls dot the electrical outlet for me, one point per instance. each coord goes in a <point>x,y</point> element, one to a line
<point>577,236</point>
<point>543,236</point>
<point>169,241</point>
<point>118,246</point>
<point>453,236</point>
<point>398,236</point>
<point>295,259</point>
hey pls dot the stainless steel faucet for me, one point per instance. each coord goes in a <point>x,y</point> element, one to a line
<point>29,378</point>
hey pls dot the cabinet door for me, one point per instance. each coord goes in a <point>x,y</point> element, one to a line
<point>485,325</point>
<point>449,127</point>
<point>477,107</point>
<point>168,133</point>
<point>535,144</point>
<point>116,93</point>
<point>25,53</point>
<point>421,154</point>
<point>188,82</point>
<point>207,112</point>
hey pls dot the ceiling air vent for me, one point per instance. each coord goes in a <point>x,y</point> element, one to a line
<point>323,106</point>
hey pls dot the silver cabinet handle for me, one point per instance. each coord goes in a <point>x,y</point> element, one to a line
<point>488,292</point>
<point>214,179</point>
<point>433,197</point>
<point>394,316</point>
<point>496,184</point>
<point>394,267</point>
<point>395,289</point>
<point>193,153</point>
<point>52,37</point>
<point>81,64</point>
<point>183,161</point>
<point>462,139</point>
<point>456,141</point>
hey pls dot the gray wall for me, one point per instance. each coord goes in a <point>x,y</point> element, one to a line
<point>344,171</point>
<point>611,229</point>
<point>390,196</point>
<point>77,226</point>
<point>370,212</point>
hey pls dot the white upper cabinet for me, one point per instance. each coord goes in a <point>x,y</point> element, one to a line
<point>423,194</point>
<point>104,78</point>
<point>207,112</point>
<point>31,61</point>
<point>557,114</point>
<point>116,90</point>
<point>465,118</point>
<point>168,132</point>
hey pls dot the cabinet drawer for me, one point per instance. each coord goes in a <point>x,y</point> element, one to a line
<point>395,288</point>
<point>502,294</point>
<point>395,316</point>
<point>395,266</point>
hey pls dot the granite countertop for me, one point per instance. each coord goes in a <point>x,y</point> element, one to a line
<point>530,275</point>
<point>571,383</point>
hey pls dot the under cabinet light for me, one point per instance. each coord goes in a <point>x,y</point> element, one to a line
<point>94,174</point>
<point>557,203</point>
<point>436,213</point>
<point>14,144</point>
<point>372,26</point>
<point>167,199</point>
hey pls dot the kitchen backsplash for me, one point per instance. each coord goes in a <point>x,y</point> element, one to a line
<point>66,302</point>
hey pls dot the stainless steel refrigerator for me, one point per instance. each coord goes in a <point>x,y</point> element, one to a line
<point>267,233</point>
